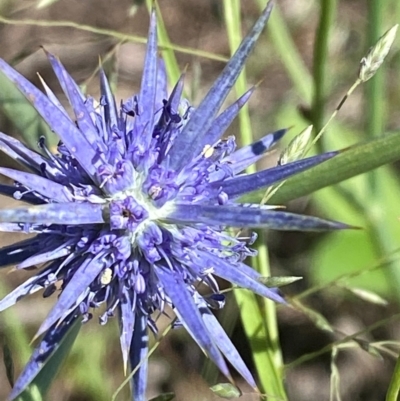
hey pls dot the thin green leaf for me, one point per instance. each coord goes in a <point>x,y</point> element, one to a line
<point>349,163</point>
<point>287,51</point>
<point>262,348</point>
<point>394,386</point>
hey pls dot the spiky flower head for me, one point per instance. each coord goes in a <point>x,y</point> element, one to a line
<point>131,213</point>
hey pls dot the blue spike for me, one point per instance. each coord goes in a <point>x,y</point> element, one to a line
<point>52,97</point>
<point>224,120</point>
<point>10,190</point>
<point>20,153</point>
<point>110,107</point>
<point>144,121</point>
<point>75,290</point>
<point>254,217</point>
<point>76,142</point>
<point>189,315</point>
<point>16,253</point>
<point>77,101</point>
<point>241,185</point>
<point>55,213</point>
<point>224,269</point>
<point>43,186</point>
<point>126,323</point>
<point>161,86</point>
<point>250,154</point>
<point>46,254</point>
<point>139,355</point>
<point>28,287</point>
<point>189,143</point>
<point>46,348</point>
<point>225,344</point>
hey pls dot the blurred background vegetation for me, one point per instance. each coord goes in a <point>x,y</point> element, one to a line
<point>304,63</point>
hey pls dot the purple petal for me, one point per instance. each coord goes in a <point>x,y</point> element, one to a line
<point>255,217</point>
<point>76,288</point>
<point>109,107</point>
<point>127,321</point>
<point>162,86</point>
<point>250,154</point>
<point>176,94</point>
<point>225,344</point>
<point>44,186</point>
<point>12,228</point>
<point>11,190</point>
<point>189,143</point>
<point>76,99</point>
<point>52,97</point>
<point>139,355</point>
<point>224,120</point>
<point>29,287</point>
<point>189,315</point>
<point>46,348</point>
<point>45,256</point>
<point>73,139</point>
<point>145,120</point>
<point>19,152</point>
<point>16,253</point>
<point>234,275</point>
<point>241,185</point>
<point>55,213</point>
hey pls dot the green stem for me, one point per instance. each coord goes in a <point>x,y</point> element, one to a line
<point>327,15</point>
<point>375,94</point>
<point>374,88</point>
<point>394,386</point>
<point>288,53</point>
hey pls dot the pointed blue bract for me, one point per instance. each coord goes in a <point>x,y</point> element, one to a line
<point>224,343</point>
<point>241,185</point>
<point>55,213</point>
<point>189,143</point>
<point>189,315</point>
<point>246,216</point>
<point>131,213</point>
<point>42,353</point>
<point>139,358</point>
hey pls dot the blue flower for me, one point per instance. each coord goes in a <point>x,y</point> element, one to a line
<point>131,213</point>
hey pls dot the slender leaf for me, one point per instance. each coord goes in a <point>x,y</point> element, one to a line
<point>349,163</point>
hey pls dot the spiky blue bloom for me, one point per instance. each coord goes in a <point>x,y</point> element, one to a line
<point>130,215</point>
